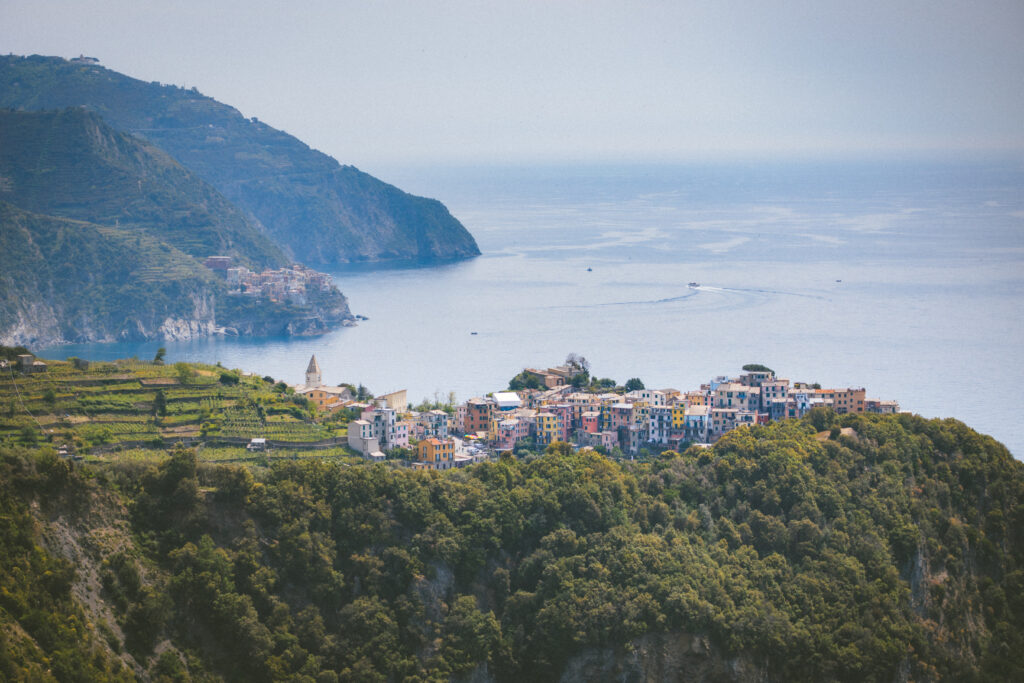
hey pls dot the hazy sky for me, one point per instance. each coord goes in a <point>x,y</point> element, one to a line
<point>421,81</point>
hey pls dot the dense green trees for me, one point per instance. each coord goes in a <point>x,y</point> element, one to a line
<point>757,367</point>
<point>894,549</point>
<point>634,384</point>
<point>524,380</point>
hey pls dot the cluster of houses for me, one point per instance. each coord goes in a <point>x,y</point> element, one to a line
<point>292,285</point>
<point>635,420</point>
<point>649,418</point>
<point>379,428</point>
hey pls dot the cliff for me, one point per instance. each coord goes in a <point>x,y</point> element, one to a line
<point>64,280</point>
<point>319,211</point>
<point>102,240</point>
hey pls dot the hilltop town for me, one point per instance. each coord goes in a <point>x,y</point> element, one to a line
<point>564,404</point>
<point>139,408</point>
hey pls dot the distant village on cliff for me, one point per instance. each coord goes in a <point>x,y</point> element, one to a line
<point>629,421</point>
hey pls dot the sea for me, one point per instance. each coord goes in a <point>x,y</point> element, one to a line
<point>905,277</point>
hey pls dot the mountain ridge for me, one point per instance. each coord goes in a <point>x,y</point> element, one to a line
<point>320,211</point>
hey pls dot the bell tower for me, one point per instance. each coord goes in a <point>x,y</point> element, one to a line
<point>313,373</point>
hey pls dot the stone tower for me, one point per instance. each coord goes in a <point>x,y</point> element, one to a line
<point>313,373</point>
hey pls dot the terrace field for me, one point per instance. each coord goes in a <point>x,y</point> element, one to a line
<point>135,410</point>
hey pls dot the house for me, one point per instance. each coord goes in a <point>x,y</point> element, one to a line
<point>383,421</point>
<point>327,398</point>
<point>478,415</point>
<point>396,400</point>
<point>219,264</point>
<point>401,435</point>
<point>28,364</point>
<point>435,423</point>
<point>736,395</point>
<point>549,428</point>
<point>437,454</point>
<point>697,423</point>
<point>756,378</point>
<point>507,400</point>
<point>509,429</point>
<point>616,415</point>
<point>547,378</point>
<point>874,405</point>
<point>660,421</point>
<point>257,445</point>
<point>361,438</point>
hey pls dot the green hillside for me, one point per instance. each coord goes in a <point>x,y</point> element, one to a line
<point>70,164</point>
<point>130,409</point>
<point>103,237</point>
<point>319,210</point>
<point>62,279</point>
<point>888,550</point>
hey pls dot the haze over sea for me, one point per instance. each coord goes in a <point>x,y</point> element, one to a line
<point>902,277</point>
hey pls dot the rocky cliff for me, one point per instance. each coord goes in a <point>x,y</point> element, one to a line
<point>63,280</point>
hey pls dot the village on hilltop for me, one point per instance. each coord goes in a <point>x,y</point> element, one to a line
<point>560,410</point>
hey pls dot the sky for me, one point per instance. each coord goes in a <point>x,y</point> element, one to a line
<point>381,82</point>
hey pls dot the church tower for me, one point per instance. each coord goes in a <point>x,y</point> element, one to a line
<point>313,373</point>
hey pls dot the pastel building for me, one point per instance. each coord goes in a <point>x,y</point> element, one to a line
<point>660,421</point>
<point>436,454</point>
<point>362,440</point>
<point>478,415</point>
<point>549,428</point>
<point>697,423</point>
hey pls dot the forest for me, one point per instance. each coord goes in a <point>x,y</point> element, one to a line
<point>843,548</point>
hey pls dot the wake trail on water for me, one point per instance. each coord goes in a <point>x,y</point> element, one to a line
<point>744,292</point>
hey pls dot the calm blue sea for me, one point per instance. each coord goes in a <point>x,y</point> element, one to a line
<point>903,277</point>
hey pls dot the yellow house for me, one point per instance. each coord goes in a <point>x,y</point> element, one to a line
<point>547,427</point>
<point>679,416</point>
<point>438,454</point>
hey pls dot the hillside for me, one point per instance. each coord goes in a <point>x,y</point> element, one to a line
<point>889,551</point>
<point>70,164</point>
<point>103,236</point>
<point>69,280</point>
<point>103,410</point>
<point>318,210</point>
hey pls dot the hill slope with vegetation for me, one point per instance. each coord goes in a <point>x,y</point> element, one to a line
<point>318,210</point>
<point>888,550</point>
<point>62,279</point>
<point>103,236</point>
<point>69,163</point>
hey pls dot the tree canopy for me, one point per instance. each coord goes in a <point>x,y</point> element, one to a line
<point>891,549</point>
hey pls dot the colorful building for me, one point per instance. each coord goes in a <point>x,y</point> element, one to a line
<point>437,454</point>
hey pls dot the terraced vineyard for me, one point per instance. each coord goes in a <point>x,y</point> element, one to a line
<point>133,407</point>
<point>246,422</point>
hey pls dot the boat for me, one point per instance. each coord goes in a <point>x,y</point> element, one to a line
<point>472,332</point>
<point>694,284</point>
<point>590,270</point>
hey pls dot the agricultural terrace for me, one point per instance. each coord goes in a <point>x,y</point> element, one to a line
<point>132,409</point>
